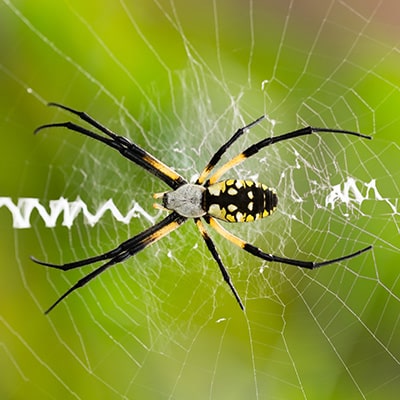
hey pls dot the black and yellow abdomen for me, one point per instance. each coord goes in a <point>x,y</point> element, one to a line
<point>239,200</point>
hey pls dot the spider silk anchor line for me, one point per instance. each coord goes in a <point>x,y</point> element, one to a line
<point>26,207</point>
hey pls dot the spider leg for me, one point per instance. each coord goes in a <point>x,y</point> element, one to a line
<point>126,148</point>
<point>127,249</point>
<point>211,247</point>
<point>87,278</point>
<point>219,153</point>
<point>255,251</point>
<point>143,239</point>
<point>255,148</point>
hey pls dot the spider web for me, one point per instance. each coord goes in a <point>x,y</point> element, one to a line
<point>179,78</point>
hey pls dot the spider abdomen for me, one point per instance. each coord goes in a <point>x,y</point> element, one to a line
<point>236,200</point>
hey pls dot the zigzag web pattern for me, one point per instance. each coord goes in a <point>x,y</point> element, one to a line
<point>22,211</point>
<point>349,193</point>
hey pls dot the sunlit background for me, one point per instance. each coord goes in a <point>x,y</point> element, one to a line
<point>178,78</point>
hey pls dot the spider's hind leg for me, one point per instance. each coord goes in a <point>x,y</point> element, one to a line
<point>255,251</point>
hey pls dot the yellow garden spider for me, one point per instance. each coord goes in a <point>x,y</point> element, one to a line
<point>208,199</point>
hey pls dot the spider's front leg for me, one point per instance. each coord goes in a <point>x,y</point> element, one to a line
<point>121,253</point>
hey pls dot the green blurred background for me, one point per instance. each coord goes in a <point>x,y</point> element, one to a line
<point>179,77</point>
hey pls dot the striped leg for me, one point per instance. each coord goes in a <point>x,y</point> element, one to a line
<point>121,253</point>
<point>255,148</point>
<point>217,258</point>
<point>255,251</point>
<point>217,156</point>
<point>126,148</point>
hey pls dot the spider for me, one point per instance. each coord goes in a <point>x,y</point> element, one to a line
<point>208,199</point>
